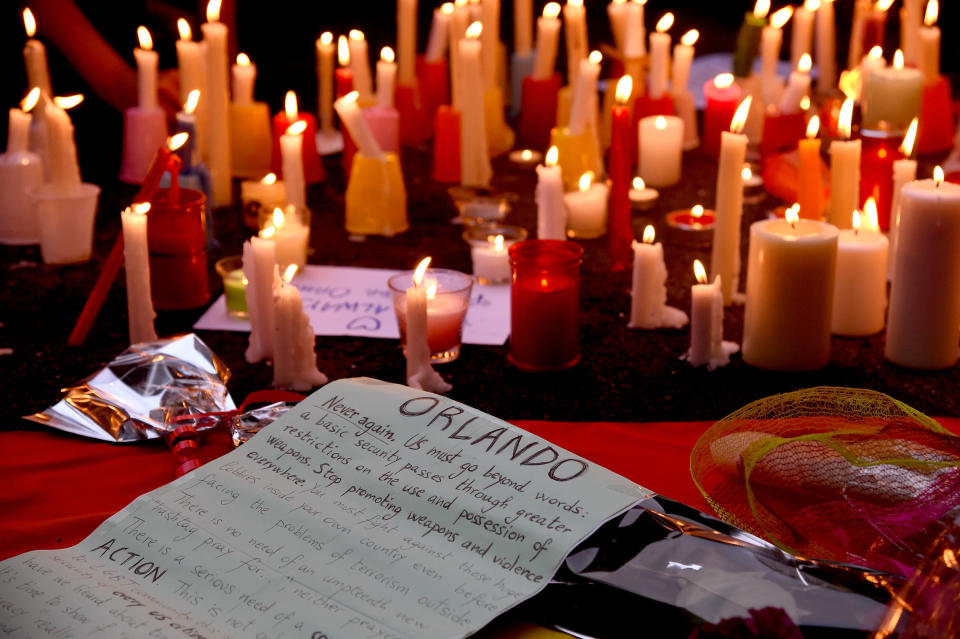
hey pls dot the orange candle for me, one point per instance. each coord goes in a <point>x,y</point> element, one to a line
<point>809,186</point>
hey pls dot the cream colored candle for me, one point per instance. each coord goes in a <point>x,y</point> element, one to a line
<point>904,172</point>
<point>360,65</point>
<point>801,38</point>
<point>459,21</point>
<point>192,73</point>
<point>771,41</point>
<point>891,96</point>
<point>797,87</point>
<point>61,158</point>
<point>420,372</point>
<point>826,47</point>
<point>725,254</point>
<point>352,118</point>
<point>136,259</point>
<point>147,61</point>
<point>855,49</point>
<point>860,289</point>
<point>325,51</point>
<point>406,42</point>
<point>648,295</point>
<point>439,33</point>
<point>587,208</point>
<point>575,32</point>
<point>259,260</point>
<point>291,150</point>
<point>660,57</point>
<point>291,238</point>
<point>490,41</point>
<point>217,99</point>
<point>790,276</point>
<point>551,212</point>
<point>295,358</point>
<point>244,77</point>
<point>35,56</point>
<point>548,34</point>
<point>617,16</point>
<point>682,59</point>
<point>475,169</point>
<point>844,172</point>
<point>522,26</point>
<point>923,326</point>
<point>635,34</point>
<point>930,44</point>
<point>386,78</point>
<point>584,105</point>
<point>661,149</point>
<point>707,347</point>
<point>910,17</point>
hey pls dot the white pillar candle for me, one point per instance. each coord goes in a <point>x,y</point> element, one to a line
<point>585,94</point>
<point>826,47</point>
<point>725,254</point>
<point>325,51</point>
<point>491,262</point>
<point>797,87</point>
<point>291,152</point>
<point>617,15</point>
<point>892,95</point>
<point>439,33</point>
<point>575,32</point>
<point>551,213</point>
<point>357,126</point>
<point>910,18</point>
<point>904,172</point>
<point>682,59</point>
<point>192,74</point>
<point>930,44</point>
<point>490,41</point>
<point>771,40</point>
<point>923,326</point>
<point>61,155</point>
<point>136,261</point>
<point>660,57</point>
<point>522,26</point>
<point>406,42</point>
<point>587,208</point>
<point>844,172</point>
<point>147,61</point>
<point>420,372</point>
<point>217,99</point>
<point>295,358</point>
<point>548,33</point>
<point>801,36</point>
<point>259,259</point>
<point>860,287</point>
<point>244,78</point>
<point>475,169</point>
<point>386,78</point>
<point>707,347</point>
<point>790,275</point>
<point>648,295</point>
<point>459,21</point>
<point>360,65</point>
<point>634,34</point>
<point>661,149</point>
<point>35,57</point>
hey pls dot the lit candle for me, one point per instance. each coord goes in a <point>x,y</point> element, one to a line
<point>525,158</point>
<point>875,24</point>
<point>923,326</point>
<point>192,74</point>
<point>634,32</point>
<point>295,358</point>
<point>801,38</point>
<point>147,61</point>
<point>748,39</point>
<point>20,172</point>
<point>642,195</point>
<point>325,48</point>
<point>551,213</point>
<point>244,76</point>
<point>548,34</point>
<point>904,172</point>
<point>930,44</point>
<point>707,347</point>
<point>187,123</point>
<point>268,193</point>
<point>661,149</point>
<point>682,59</point>
<point>439,28</point>
<point>798,87</point>
<point>722,96</point>
<point>259,260</point>
<point>790,275</point>
<point>386,78</point>
<point>860,290</point>
<point>648,295</point>
<point>584,104</point>
<point>344,72</point>
<point>61,158</point>
<point>406,44</point>
<point>137,267</point>
<point>291,150</point>
<point>891,96</point>
<point>360,64</point>
<point>826,47</point>
<point>475,169</point>
<point>844,171</point>
<point>218,102</point>
<point>491,262</point>
<point>459,21</point>
<point>809,185</point>
<point>575,30</point>
<point>617,15</point>
<point>35,56</point>
<point>420,372</point>
<point>587,208</point>
<point>771,40</point>
<point>660,57</point>
<point>621,140</point>
<point>725,256</point>
<point>291,114</point>
<point>910,17</point>
<point>359,130</point>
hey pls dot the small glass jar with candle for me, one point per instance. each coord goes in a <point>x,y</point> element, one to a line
<point>292,234</point>
<point>177,237</point>
<point>478,205</point>
<point>230,269</point>
<point>448,297</point>
<point>491,263</point>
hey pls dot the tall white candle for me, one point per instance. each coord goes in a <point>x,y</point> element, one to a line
<point>147,61</point>
<point>351,117</point>
<point>725,254</point>
<point>929,41</point>
<point>551,213</point>
<point>584,105</point>
<point>439,33</point>
<point>634,34</point>
<point>522,26</point>
<point>360,64</point>
<point>386,78</point>
<point>291,150</point>
<point>771,40</point>
<point>682,59</point>
<point>797,87</point>
<point>259,259</point>
<point>801,38</point>
<point>18,131</point>
<point>548,34</point>
<point>136,259</point>
<point>459,21</point>
<point>35,56</point>
<point>475,169</point>
<point>325,51</point>
<point>575,32</point>
<point>660,149</point>
<point>648,295</point>
<point>420,372</point>
<point>923,326</point>
<point>826,47</point>
<point>860,289</point>
<point>844,171</point>
<point>291,237</point>
<point>192,73</point>
<point>490,41</point>
<point>406,42</point>
<point>217,99</point>
<point>855,49</point>
<point>295,358</point>
<point>910,18</point>
<point>660,57</point>
<point>707,347</point>
<point>904,172</point>
<point>244,77</point>
<point>617,15</point>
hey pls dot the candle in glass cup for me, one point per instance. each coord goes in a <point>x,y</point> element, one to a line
<point>489,246</point>
<point>447,299</point>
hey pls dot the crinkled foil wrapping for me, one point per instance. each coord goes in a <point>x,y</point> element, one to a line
<point>134,395</point>
<point>248,424</point>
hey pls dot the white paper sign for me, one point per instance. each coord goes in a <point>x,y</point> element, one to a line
<point>346,300</point>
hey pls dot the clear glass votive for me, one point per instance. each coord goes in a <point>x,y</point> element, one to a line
<point>491,263</point>
<point>234,285</point>
<point>291,236</point>
<point>479,205</point>
<point>446,309</point>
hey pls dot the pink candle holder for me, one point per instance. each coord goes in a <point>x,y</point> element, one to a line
<point>446,145</point>
<point>935,129</point>
<point>538,111</point>
<point>445,310</point>
<point>781,131</point>
<point>143,131</point>
<point>177,240</point>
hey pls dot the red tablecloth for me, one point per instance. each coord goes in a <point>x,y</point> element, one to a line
<point>56,488</point>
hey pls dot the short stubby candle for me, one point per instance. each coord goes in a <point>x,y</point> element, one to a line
<point>448,296</point>
<point>587,208</point>
<point>489,244</point>
<point>860,289</point>
<point>660,140</point>
<point>891,96</point>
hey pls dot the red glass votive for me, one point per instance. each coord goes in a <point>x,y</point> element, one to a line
<point>782,131</point>
<point>721,104</point>
<point>935,130</point>
<point>446,145</point>
<point>538,111</point>
<point>414,125</point>
<point>545,305</point>
<point>434,80</point>
<point>877,155</point>
<point>312,169</point>
<point>177,241</point>
<point>643,107</point>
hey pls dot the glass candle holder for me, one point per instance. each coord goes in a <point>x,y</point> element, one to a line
<point>491,262</point>
<point>446,308</point>
<point>545,305</point>
<point>292,234</point>
<point>234,285</point>
<point>177,237</point>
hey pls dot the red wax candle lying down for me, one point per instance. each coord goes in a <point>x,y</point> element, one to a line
<point>545,299</point>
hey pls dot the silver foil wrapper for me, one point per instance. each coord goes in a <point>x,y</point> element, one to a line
<point>136,394</point>
<point>248,424</point>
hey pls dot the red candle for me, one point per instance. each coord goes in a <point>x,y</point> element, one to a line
<point>722,97</point>
<point>344,76</point>
<point>446,145</point>
<point>538,111</point>
<point>434,78</point>
<point>312,169</point>
<point>878,154</point>
<point>935,134</point>
<point>545,303</point>
<point>622,139</point>
<point>874,28</point>
<point>176,235</point>
<point>781,131</point>
<point>645,106</point>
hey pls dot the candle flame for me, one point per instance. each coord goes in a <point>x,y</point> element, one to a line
<point>357,34</point>
<point>811,5</point>
<point>699,272</point>
<point>761,9</point>
<point>813,127</point>
<point>193,98</point>
<point>143,35</point>
<point>746,173</point>
<point>805,102</point>
<point>624,89</point>
<point>420,271</point>
<point>938,175</point>
<point>639,184</point>
<point>552,10</point>
<point>498,244</point>
<point>184,28</point>
<point>595,57</point>
<point>660,123</point>
<point>898,59</point>
<point>290,106</point>
<point>931,14</point>
<point>431,289</point>
<point>906,147</point>
<point>446,8</point>
<point>805,63</point>
<point>665,22</point>
<point>297,128</point>
<point>267,232</point>
<point>289,272</point>
<point>845,121</point>
<point>873,218</point>
<point>326,38</point>
<point>350,98</point>
<point>781,17</point>
<point>575,3</point>
<point>68,101</point>
<point>849,83</point>
<point>174,142</point>
<point>278,217</point>
<point>690,38</point>
<point>740,115</point>
<point>792,214</point>
<point>526,155</point>
<point>213,11</point>
<point>474,30</point>
<point>140,208</point>
<point>856,221</point>
<point>883,5</point>
<point>950,559</point>
<point>697,211</point>
<point>586,180</point>
<point>875,52</point>
<point>30,101</point>
<point>269,178</point>
<point>553,154</point>
<point>343,51</point>
<point>723,81</point>
<point>387,55</point>
<point>649,234</point>
<point>30,23</point>
<point>243,60</point>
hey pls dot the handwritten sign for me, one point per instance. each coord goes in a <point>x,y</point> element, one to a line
<point>346,300</point>
<point>370,510</point>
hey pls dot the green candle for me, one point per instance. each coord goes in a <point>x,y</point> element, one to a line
<point>234,285</point>
<point>748,39</point>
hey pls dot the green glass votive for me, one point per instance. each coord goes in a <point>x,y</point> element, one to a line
<point>234,285</point>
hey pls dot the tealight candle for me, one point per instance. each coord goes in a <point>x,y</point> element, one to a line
<point>696,218</point>
<point>641,195</point>
<point>137,267</point>
<point>648,295</point>
<point>489,246</point>
<point>295,358</point>
<point>587,208</point>
<point>860,289</point>
<point>725,255</point>
<point>660,140</point>
<point>525,158</point>
<point>707,346</point>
